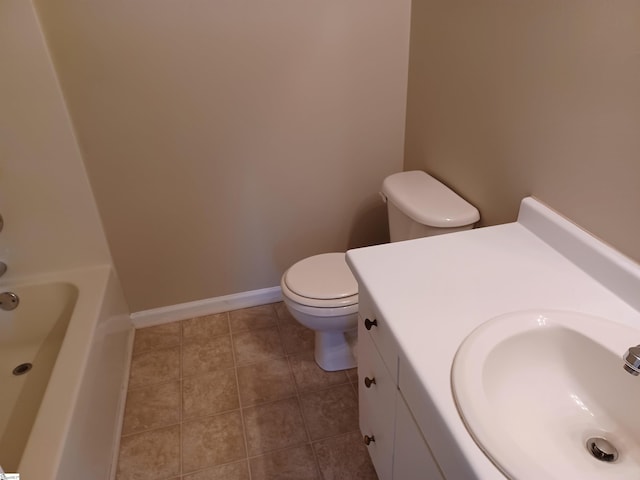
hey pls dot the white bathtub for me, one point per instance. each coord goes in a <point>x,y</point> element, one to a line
<point>61,420</point>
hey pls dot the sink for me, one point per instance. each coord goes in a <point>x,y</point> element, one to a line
<point>534,387</point>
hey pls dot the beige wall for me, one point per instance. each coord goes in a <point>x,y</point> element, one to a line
<point>51,220</point>
<point>509,98</point>
<point>224,139</point>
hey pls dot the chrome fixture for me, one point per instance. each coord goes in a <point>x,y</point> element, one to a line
<point>9,301</point>
<point>602,449</point>
<point>632,360</point>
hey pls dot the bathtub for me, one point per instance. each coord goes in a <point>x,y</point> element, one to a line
<point>61,419</point>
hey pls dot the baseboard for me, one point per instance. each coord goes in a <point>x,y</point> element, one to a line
<point>209,306</point>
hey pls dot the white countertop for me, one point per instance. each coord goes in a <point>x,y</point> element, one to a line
<point>434,291</point>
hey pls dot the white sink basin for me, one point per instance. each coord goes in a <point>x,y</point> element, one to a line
<point>533,387</point>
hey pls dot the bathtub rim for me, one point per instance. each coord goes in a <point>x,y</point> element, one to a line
<point>46,442</point>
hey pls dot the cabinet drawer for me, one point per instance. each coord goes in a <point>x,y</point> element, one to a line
<point>376,404</point>
<point>378,329</point>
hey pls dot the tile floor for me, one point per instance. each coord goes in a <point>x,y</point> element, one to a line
<point>238,396</point>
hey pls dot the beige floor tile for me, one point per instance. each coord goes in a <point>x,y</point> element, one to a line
<point>266,381</point>
<point>352,373</point>
<point>343,457</point>
<point>330,412</point>
<point>252,318</point>
<point>204,355</point>
<point>309,376</point>
<point>155,366</point>
<point>205,327</point>
<point>184,371</point>
<point>292,464</point>
<point>208,394</point>
<point>274,425</point>
<point>152,406</point>
<point>296,338</point>
<point>211,441</point>
<point>255,346</point>
<point>150,455</point>
<point>355,391</point>
<point>231,471</point>
<point>159,336</point>
<point>284,316</point>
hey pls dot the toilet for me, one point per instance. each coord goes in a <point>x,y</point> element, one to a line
<point>320,291</point>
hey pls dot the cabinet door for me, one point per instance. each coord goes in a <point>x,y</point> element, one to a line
<point>376,398</point>
<point>412,456</point>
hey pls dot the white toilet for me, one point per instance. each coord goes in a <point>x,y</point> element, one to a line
<point>321,293</point>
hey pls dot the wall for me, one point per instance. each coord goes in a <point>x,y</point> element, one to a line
<point>508,99</point>
<point>225,140</point>
<point>51,221</point>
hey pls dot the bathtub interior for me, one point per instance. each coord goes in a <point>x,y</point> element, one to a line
<point>31,334</point>
<point>74,431</point>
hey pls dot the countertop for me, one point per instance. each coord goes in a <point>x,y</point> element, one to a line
<point>434,291</point>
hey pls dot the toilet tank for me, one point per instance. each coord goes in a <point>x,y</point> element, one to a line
<point>418,206</point>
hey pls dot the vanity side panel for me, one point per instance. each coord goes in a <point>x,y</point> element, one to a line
<point>443,446</point>
<point>412,458</point>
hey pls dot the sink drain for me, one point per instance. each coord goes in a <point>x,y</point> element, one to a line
<point>22,368</point>
<point>602,449</point>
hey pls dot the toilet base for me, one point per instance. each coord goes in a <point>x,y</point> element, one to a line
<point>335,350</point>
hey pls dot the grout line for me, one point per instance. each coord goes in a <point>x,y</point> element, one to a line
<point>306,428</point>
<point>181,436</point>
<point>323,388</point>
<point>257,405</point>
<point>153,384</point>
<point>206,372</point>
<point>181,404</point>
<point>335,435</point>
<point>150,430</point>
<point>315,457</point>
<point>210,415</point>
<point>355,391</point>
<point>279,449</point>
<point>240,403</point>
<point>210,467</point>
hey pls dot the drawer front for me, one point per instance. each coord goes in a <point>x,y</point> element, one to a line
<point>379,331</point>
<point>377,394</point>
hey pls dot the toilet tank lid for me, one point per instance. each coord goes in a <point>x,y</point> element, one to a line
<point>323,277</point>
<point>427,201</point>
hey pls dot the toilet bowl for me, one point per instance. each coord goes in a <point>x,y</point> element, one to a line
<point>321,293</point>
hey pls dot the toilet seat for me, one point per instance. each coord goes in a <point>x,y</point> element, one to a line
<point>322,281</point>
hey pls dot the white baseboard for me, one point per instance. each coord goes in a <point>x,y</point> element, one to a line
<point>209,306</point>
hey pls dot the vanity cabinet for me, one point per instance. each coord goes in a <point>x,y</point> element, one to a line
<point>396,445</point>
<point>377,394</point>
